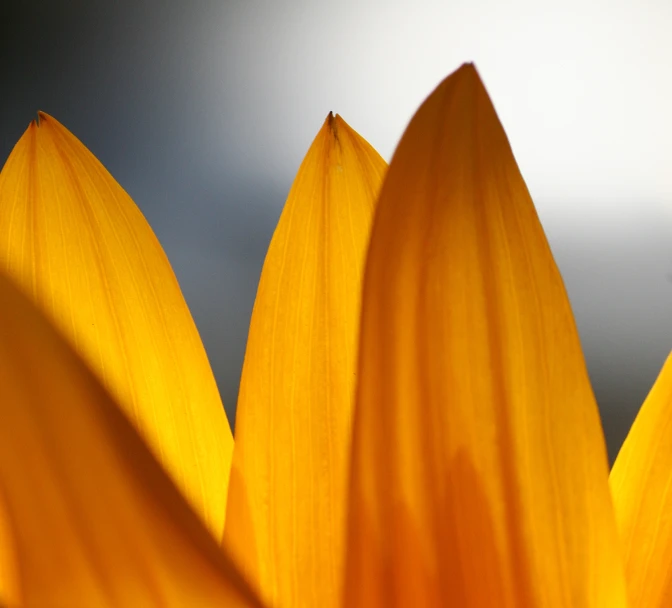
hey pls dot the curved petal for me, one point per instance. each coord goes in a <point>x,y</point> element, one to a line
<point>479,471</point>
<point>641,486</point>
<point>82,250</point>
<point>93,519</point>
<point>287,495</point>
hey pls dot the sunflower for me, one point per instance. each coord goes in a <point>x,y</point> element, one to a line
<point>415,422</point>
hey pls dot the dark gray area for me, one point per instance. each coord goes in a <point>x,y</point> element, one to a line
<point>124,79</point>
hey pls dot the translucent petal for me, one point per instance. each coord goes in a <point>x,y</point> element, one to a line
<point>80,248</point>
<point>641,484</point>
<point>287,495</point>
<point>479,471</point>
<point>93,519</point>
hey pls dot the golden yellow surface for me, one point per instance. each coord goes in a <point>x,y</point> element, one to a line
<point>479,471</point>
<point>95,521</point>
<point>641,483</point>
<point>287,500</point>
<point>81,249</point>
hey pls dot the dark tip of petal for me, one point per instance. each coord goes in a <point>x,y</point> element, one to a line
<point>332,123</point>
<point>41,116</point>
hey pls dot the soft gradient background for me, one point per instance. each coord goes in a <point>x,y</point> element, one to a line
<point>203,110</point>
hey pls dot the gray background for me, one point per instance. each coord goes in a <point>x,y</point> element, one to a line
<point>203,110</point>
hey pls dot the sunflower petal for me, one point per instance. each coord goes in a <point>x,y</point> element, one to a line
<point>287,495</point>
<point>479,471</point>
<point>81,249</point>
<point>94,520</point>
<point>641,480</point>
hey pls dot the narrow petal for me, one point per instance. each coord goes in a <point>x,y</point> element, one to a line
<point>479,471</point>
<point>93,519</point>
<point>641,486</point>
<point>81,249</point>
<point>287,496</point>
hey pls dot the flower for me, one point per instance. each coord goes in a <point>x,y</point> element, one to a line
<point>415,421</point>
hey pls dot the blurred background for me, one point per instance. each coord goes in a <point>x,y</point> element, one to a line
<point>203,110</point>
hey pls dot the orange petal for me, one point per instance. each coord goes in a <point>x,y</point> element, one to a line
<point>81,249</point>
<point>640,484</point>
<point>479,473</point>
<point>287,495</point>
<point>93,519</point>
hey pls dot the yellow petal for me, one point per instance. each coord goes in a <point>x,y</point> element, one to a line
<point>81,249</point>
<point>479,472</point>
<point>94,520</point>
<point>287,495</point>
<point>640,483</point>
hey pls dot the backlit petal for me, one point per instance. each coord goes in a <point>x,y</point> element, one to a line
<point>93,519</point>
<point>641,485</point>
<point>479,472</point>
<point>287,494</point>
<point>81,249</point>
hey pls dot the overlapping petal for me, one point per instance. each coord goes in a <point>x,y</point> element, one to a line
<point>81,249</point>
<point>92,518</point>
<point>287,494</point>
<point>479,472</point>
<point>641,484</point>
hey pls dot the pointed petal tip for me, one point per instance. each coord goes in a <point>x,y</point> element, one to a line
<point>333,123</point>
<point>466,73</point>
<point>40,117</point>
